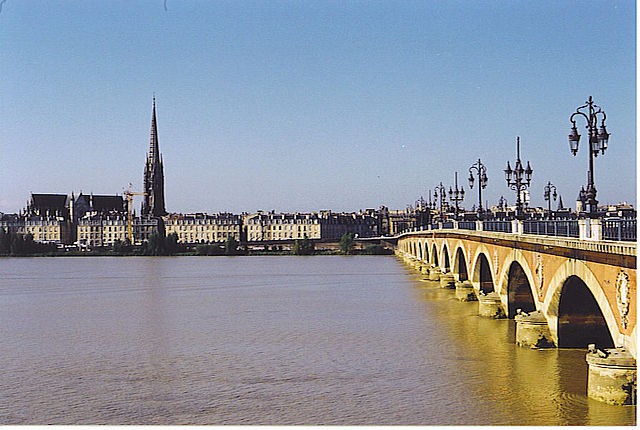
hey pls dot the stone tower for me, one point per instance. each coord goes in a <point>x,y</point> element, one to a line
<point>153,204</point>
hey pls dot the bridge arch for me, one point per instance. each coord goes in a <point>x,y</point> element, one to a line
<point>460,264</point>
<point>575,279</point>
<point>518,290</point>
<point>511,279</point>
<point>434,255</point>
<point>446,263</point>
<point>580,319</point>
<point>482,274</point>
<point>419,246</point>
<point>423,250</point>
<point>480,251</point>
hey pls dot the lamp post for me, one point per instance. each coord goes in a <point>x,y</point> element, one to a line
<point>440,193</point>
<point>547,194</point>
<point>502,203</point>
<point>518,179</point>
<point>598,142</point>
<point>456,194</point>
<point>481,172</point>
<point>431,205</point>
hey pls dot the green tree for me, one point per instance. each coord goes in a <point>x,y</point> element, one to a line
<point>303,247</point>
<point>209,249</point>
<point>5,242</point>
<point>231,246</point>
<point>155,245</point>
<point>171,243</point>
<point>119,247</point>
<point>347,243</point>
<point>377,250</point>
<point>23,244</point>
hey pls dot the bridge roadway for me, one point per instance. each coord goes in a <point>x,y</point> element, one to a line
<point>565,292</point>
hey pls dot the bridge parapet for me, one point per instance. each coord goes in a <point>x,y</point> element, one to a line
<point>613,229</point>
<point>547,242</point>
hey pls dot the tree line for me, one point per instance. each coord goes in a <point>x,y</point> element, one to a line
<point>17,244</point>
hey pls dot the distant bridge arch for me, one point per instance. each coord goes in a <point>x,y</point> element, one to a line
<point>434,255</point>
<point>460,267</point>
<point>425,246</point>
<point>446,263</point>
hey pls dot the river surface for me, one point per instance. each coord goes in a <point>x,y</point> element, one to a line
<point>268,340</point>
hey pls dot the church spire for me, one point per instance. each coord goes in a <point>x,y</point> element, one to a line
<point>154,149</point>
<point>154,173</point>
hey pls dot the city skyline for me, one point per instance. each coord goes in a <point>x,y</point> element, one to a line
<point>302,107</point>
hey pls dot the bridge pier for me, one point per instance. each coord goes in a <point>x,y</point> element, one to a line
<point>424,269</point>
<point>612,376</point>
<point>532,330</point>
<point>464,292</point>
<point>447,280</point>
<point>434,273</point>
<point>489,305</point>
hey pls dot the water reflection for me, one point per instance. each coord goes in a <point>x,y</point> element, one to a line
<point>506,381</point>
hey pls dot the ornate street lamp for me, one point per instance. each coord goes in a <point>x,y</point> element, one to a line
<point>440,193</point>
<point>431,204</point>
<point>547,194</point>
<point>456,194</point>
<point>598,142</point>
<point>481,172</point>
<point>518,179</point>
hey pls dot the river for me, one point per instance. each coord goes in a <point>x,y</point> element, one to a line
<point>268,340</point>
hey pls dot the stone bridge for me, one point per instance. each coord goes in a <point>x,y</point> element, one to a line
<point>563,292</point>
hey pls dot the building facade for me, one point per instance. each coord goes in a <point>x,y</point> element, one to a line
<point>281,226</point>
<point>323,225</point>
<point>97,230</point>
<point>361,224</point>
<point>392,222</point>
<point>204,228</point>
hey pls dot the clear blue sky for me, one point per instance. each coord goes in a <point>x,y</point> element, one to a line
<point>308,105</point>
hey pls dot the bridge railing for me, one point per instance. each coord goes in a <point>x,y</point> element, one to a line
<point>467,225</point>
<point>497,225</point>
<point>607,229</point>
<point>621,229</point>
<point>565,228</point>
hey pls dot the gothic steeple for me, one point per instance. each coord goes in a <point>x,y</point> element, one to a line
<point>153,204</point>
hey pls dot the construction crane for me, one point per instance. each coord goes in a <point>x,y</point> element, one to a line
<point>128,193</point>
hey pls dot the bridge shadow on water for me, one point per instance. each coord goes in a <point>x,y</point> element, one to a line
<point>495,382</point>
